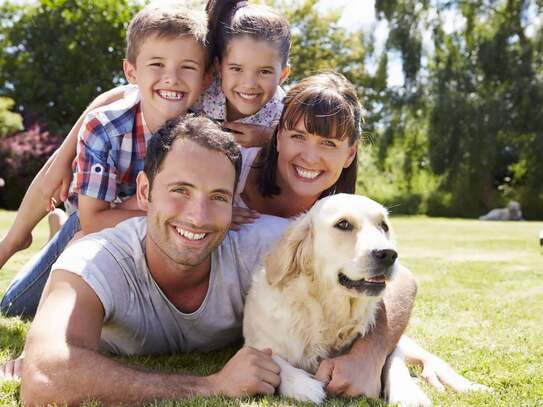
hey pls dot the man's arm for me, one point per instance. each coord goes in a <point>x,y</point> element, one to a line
<point>62,363</point>
<point>359,371</point>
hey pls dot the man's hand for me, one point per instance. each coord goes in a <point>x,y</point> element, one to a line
<point>249,372</point>
<point>241,216</point>
<point>250,135</point>
<point>352,375</point>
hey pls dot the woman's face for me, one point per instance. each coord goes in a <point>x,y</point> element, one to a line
<point>309,164</point>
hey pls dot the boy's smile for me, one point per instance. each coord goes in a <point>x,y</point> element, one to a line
<point>170,75</point>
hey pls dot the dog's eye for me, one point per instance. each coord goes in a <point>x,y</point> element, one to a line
<point>344,225</point>
<point>384,226</point>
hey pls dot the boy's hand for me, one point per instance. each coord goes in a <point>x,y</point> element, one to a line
<point>249,372</point>
<point>250,135</point>
<point>130,204</point>
<point>57,176</point>
<point>241,216</point>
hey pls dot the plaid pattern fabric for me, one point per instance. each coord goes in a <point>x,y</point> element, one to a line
<point>111,150</point>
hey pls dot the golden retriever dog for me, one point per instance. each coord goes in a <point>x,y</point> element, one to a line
<point>319,290</point>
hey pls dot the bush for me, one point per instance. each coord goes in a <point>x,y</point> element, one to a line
<point>9,122</point>
<point>21,157</point>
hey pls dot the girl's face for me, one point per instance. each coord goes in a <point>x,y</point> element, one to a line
<point>309,164</point>
<point>250,73</point>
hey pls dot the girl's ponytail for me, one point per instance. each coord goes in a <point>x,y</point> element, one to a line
<point>228,19</point>
<point>219,15</point>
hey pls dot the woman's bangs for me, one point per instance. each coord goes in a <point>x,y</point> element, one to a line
<point>321,117</point>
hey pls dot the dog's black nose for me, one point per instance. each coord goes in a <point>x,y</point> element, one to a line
<point>385,257</point>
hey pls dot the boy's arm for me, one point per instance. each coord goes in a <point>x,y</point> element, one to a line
<point>359,371</point>
<point>95,215</point>
<point>96,177</point>
<point>58,174</point>
<point>62,363</point>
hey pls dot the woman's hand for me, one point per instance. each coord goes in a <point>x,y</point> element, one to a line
<point>241,216</point>
<point>249,135</point>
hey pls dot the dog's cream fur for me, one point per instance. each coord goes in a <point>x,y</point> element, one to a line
<point>298,308</point>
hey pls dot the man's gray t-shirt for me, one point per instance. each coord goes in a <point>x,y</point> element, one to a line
<point>139,319</point>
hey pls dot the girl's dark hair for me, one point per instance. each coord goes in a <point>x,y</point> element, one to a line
<point>228,19</point>
<point>329,106</point>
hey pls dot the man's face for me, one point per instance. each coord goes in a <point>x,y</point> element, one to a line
<point>190,205</point>
<point>170,73</point>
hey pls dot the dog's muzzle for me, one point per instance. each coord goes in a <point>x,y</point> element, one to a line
<point>384,260</point>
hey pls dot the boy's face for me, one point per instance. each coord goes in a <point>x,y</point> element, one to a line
<point>250,73</point>
<point>170,73</point>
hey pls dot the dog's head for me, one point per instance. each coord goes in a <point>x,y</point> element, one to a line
<point>344,241</point>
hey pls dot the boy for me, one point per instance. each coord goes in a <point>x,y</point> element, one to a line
<point>166,57</point>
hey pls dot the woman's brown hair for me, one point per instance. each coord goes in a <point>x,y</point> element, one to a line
<point>329,107</point>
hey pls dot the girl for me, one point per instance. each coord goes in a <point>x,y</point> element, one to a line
<point>250,46</point>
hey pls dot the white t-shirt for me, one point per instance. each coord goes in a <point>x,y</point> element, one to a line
<point>248,156</point>
<point>139,318</point>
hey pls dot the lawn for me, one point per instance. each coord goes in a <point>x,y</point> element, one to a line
<point>479,307</point>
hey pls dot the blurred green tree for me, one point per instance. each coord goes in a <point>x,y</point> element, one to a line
<point>479,88</point>
<point>9,122</point>
<point>56,55</point>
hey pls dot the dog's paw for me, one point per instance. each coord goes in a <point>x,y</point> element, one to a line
<point>301,386</point>
<point>408,395</point>
<point>298,384</point>
<point>400,387</point>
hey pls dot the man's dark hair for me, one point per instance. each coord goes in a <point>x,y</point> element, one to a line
<point>197,129</point>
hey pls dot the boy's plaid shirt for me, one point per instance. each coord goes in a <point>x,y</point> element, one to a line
<point>111,150</point>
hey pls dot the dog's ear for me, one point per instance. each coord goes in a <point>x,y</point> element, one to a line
<point>292,254</point>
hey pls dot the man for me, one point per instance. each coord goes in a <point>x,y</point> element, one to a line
<point>173,281</point>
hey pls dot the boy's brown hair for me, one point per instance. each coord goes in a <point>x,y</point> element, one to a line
<point>167,20</point>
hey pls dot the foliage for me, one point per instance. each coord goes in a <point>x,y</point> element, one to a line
<point>58,54</point>
<point>479,93</point>
<point>320,43</point>
<point>9,122</point>
<point>21,157</point>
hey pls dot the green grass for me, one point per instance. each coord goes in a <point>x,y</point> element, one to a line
<point>479,307</point>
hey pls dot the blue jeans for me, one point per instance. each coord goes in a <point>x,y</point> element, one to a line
<point>24,293</point>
